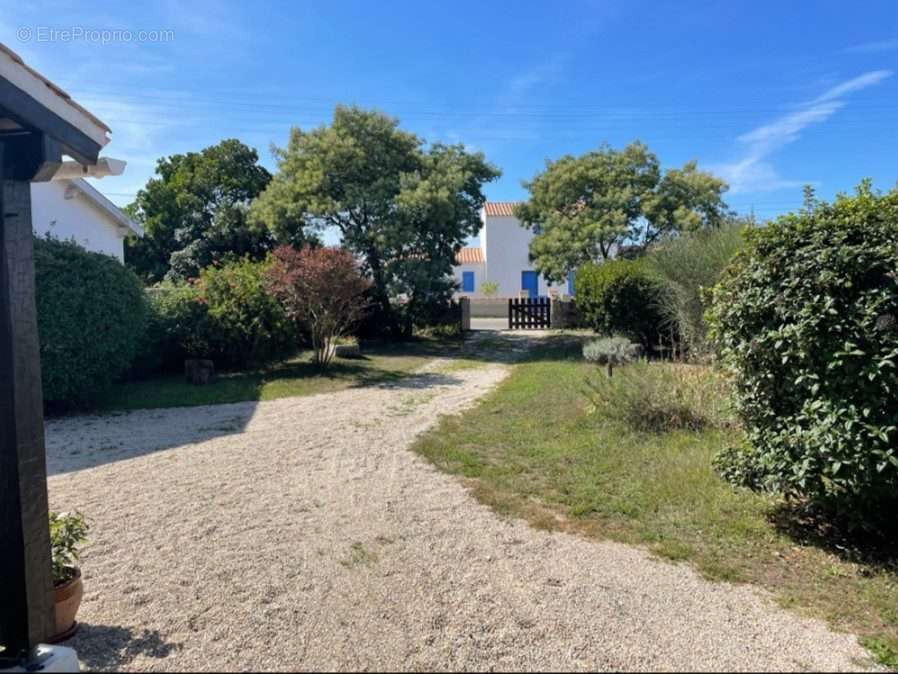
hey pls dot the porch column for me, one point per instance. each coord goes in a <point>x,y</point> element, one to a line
<point>27,609</point>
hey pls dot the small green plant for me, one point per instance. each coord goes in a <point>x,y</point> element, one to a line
<point>68,532</point>
<point>359,555</point>
<point>885,653</point>
<point>659,397</point>
<point>489,288</point>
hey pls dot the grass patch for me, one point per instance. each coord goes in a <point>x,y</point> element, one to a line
<point>359,555</point>
<point>381,364</point>
<point>537,448</point>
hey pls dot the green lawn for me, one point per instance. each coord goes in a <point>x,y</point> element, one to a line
<point>532,449</point>
<point>298,377</point>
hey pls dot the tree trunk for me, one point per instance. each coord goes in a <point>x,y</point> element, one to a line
<point>382,299</point>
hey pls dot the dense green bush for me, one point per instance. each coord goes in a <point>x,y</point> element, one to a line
<point>178,328</point>
<point>227,314</point>
<point>246,324</point>
<point>807,319</point>
<point>91,314</point>
<point>659,397</point>
<point>686,267</point>
<point>619,297</point>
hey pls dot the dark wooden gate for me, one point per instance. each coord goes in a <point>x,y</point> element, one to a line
<point>528,313</point>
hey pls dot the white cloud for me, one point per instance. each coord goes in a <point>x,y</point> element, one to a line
<point>873,47</point>
<point>856,84</point>
<point>752,172</point>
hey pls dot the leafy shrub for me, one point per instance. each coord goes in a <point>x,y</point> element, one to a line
<point>619,297</point>
<point>322,289</point>
<point>806,320</point>
<point>246,325</point>
<point>686,267</point>
<point>227,314</point>
<point>614,350</point>
<point>660,396</point>
<point>68,531</point>
<point>178,328</point>
<point>91,314</point>
<point>445,324</point>
<point>489,288</point>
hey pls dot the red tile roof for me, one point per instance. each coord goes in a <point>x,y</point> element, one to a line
<point>469,256</point>
<point>500,208</point>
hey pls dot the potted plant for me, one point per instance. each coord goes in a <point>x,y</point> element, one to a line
<point>68,531</point>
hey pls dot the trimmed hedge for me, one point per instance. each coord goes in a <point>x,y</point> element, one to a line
<point>618,297</point>
<point>807,319</point>
<point>91,312</point>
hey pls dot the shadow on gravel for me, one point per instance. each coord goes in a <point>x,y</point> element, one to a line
<point>107,648</point>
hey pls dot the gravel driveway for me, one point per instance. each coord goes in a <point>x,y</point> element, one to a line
<point>301,534</point>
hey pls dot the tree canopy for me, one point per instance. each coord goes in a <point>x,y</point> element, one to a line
<point>403,207</point>
<point>584,208</point>
<point>194,212</point>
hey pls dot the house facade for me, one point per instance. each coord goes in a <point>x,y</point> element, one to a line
<point>503,258</point>
<point>75,210</point>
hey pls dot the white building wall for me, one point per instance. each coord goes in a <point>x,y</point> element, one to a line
<point>479,275</point>
<point>507,255</point>
<point>74,218</point>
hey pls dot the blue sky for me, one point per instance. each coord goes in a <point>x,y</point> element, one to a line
<point>770,95</point>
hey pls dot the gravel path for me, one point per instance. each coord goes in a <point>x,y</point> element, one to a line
<point>301,534</point>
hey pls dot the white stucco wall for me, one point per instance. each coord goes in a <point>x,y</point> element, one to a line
<point>74,218</point>
<point>479,273</point>
<point>507,255</point>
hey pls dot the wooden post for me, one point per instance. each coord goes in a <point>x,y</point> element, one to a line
<point>27,610</point>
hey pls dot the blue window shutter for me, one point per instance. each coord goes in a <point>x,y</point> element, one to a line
<point>530,283</point>
<point>570,283</point>
<point>467,281</point>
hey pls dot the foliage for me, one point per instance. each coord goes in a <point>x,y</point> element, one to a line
<point>246,324</point>
<point>194,213</point>
<point>323,290</point>
<point>660,397</point>
<point>402,207</point>
<point>611,350</point>
<point>68,532</point>
<point>584,209</point>
<point>489,288</point>
<point>91,314</point>
<point>535,450</point>
<point>687,267</point>
<point>619,297</point>
<point>227,314</point>
<point>443,323</point>
<point>806,320</point>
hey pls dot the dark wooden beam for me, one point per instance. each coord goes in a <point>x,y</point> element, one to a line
<point>26,111</point>
<point>27,610</point>
<point>33,156</point>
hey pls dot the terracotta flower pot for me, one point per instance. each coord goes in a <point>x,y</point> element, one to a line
<point>68,600</point>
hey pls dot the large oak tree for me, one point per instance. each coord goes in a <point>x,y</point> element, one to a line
<point>403,207</point>
<point>585,208</point>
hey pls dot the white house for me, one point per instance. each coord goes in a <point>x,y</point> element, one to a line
<point>503,258</point>
<point>74,209</point>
